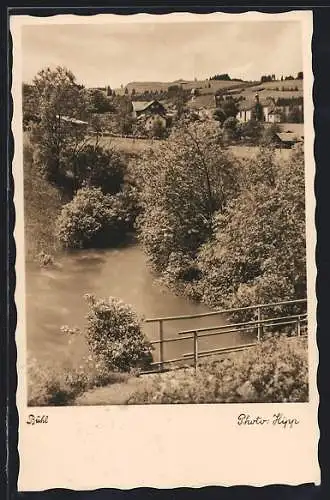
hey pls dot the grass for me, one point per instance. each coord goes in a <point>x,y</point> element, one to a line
<point>274,371</point>
<point>51,385</point>
<point>127,145</point>
<point>42,204</point>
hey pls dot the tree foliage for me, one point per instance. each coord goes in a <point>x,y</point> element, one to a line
<point>124,109</point>
<point>99,101</point>
<point>98,167</point>
<point>114,334</point>
<point>257,254</point>
<point>272,372</point>
<point>183,184</point>
<point>93,219</point>
<point>57,139</point>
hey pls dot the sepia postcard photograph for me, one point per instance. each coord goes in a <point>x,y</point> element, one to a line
<point>165,243</point>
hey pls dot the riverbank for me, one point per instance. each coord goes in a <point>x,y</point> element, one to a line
<point>42,204</point>
<point>276,370</point>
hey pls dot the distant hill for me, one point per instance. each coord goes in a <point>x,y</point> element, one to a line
<point>205,86</point>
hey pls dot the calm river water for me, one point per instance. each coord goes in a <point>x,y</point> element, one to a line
<point>54,297</point>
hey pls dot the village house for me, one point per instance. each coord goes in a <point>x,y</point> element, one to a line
<point>149,121</point>
<point>147,108</point>
<point>246,109</point>
<point>147,113</point>
<point>274,116</point>
<point>288,139</point>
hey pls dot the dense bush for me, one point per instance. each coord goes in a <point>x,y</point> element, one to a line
<point>114,334</point>
<point>94,166</point>
<point>58,386</point>
<point>117,348</point>
<point>251,131</point>
<point>93,219</point>
<point>158,129</point>
<point>275,371</point>
<point>182,185</point>
<point>269,136</point>
<point>257,253</point>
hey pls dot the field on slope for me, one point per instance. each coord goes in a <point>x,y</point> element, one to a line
<point>136,146</point>
<point>205,86</point>
<point>276,89</point>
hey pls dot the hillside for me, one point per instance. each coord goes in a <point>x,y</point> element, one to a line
<point>204,86</point>
<point>277,89</point>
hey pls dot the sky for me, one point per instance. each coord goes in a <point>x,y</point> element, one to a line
<point>115,54</point>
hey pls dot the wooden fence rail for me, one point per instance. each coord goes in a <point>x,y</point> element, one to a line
<point>297,323</point>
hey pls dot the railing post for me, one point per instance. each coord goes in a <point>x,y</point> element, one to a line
<point>298,327</point>
<point>161,345</point>
<point>259,324</point>
<point>195,350</point>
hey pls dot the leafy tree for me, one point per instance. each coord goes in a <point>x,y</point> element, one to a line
<point>124,109</point>
<point>257,112</point>
<point>230,128</point>
<point>98,167</point>
<point>269,135</point>
<point>30,105</point>
<point>251,131</point>
<point>219,115</point>
<point>158,129</point>
<point>56,139</point>
<point>109,91</point>
<point>295,115</point>
<point>99,102</point>
<point>223,76</point>
<point>182,185</point>
<point>230,108</point>
<point>257,254</point>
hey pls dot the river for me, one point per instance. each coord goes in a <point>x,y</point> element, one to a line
<point>54,297</point>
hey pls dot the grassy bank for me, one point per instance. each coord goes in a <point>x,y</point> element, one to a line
<point>127,145</point>
<point>42,204</point>
<point>274,371</point>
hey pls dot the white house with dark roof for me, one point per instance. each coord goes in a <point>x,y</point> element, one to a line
<point>147,108</point>
<point>271,112</point>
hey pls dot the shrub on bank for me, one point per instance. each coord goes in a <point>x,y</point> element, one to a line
<point>114,334</point>
<point>117,348</point>
<point>94,219</point>
<point>275,371</point>
<point>56,386</point>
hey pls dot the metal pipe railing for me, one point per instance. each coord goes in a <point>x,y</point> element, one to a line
<point>196,333</point>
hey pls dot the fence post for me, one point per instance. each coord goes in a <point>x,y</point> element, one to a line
<point>161,345</point>
<point>298,327</point>
<point>195,350</point>
<point>259,324</point>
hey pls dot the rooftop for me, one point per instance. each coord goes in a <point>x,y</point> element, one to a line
<point>289,137</point>
<point>202,101</point>
<point>247,104</point>
<point>72,120</point>
<point>142,105</point>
